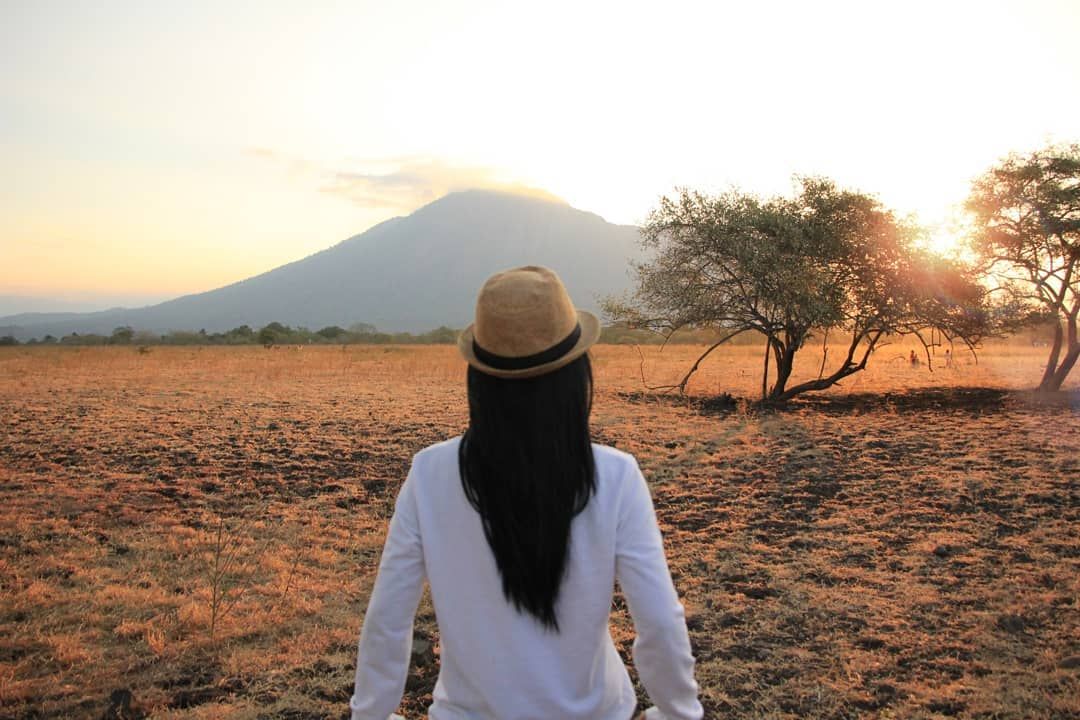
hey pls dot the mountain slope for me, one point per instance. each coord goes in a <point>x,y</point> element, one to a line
<point>411,273</point>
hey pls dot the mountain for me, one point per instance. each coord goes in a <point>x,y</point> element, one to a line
<point>409,273</point>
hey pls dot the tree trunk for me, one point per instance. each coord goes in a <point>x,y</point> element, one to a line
<point>1065,367</point>
<point>1052,361</point>
<point>785,359</point>
<point>848,367</point>
<point>765,373</point>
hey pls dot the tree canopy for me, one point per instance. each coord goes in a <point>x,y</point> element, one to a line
<point>792,268</point>
<point>122,335</point>
<point>1026,215</point>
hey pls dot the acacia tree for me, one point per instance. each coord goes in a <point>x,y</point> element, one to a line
<point>1026,213</point>
<point>791,269</point>
<point>122,335</point>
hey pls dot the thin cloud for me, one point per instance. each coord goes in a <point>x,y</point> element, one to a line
<point>296,166</point>
<point>399,183</point>
<point>407,183</point>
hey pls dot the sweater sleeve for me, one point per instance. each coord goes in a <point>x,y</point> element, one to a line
<point>661,647</point>
<point>386,638</point>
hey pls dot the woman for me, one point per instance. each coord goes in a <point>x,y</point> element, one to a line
<point>521,526</point>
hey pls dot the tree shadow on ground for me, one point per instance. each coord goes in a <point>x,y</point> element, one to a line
<point>975,400</point>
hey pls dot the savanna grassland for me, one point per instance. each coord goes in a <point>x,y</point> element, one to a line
<point>194,532</point>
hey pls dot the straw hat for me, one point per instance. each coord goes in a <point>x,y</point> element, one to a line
<point>526,325</point>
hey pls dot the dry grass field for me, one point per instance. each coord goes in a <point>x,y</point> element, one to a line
<point>194,532</point>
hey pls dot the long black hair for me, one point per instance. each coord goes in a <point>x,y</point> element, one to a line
<point>527,467</point>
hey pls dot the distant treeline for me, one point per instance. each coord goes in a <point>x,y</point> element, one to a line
<point>274,333</point>
<point>358,334</point>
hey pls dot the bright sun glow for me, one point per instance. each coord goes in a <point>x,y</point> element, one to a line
<point>944,242</point>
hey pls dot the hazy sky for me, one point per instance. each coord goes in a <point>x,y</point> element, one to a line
<point>165,148</point>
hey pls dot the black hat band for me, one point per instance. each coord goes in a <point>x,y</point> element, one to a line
<point>504,362</point>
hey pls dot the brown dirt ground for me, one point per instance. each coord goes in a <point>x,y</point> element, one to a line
<point>899,547</point>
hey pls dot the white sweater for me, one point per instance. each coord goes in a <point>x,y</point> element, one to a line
<point>497,663</point>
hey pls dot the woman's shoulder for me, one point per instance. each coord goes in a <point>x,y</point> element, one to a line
<point>441,446</point>
<point>443,450</point>
<point>434,467</point>
<point>611,455</point>
<point>617,478</point>
<point>616,470</point>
